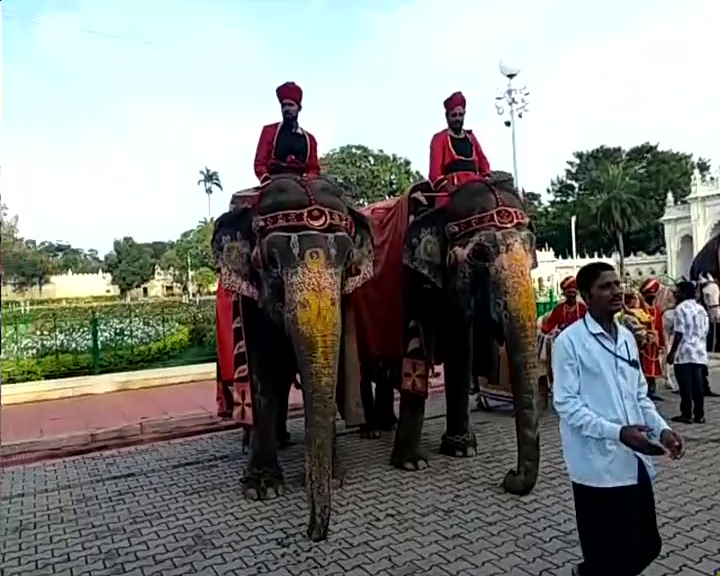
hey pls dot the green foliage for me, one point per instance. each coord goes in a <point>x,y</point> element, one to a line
<point>655,171</point>
<point>193,249</point>
<point>56,342</point>
<point>205,279</point>
<point>130,264</point>
<point>369,175</point>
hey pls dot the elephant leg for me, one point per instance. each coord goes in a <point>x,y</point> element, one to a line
<point>263,477</point>
<point>458,439</point>
<point>406,453</point>
<point>385,398</point>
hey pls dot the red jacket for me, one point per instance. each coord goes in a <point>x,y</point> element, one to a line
<point>264,156</point>
<point>650,353</point>
<point>442,154</point>
<point>562,316</point>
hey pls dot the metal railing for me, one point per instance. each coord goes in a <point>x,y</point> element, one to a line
<point>47,342</point>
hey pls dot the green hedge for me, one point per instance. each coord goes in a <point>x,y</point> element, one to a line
<point>56,342</point>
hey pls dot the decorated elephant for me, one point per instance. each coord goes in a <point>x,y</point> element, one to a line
<point>450,285</point>
<point>289,255</point>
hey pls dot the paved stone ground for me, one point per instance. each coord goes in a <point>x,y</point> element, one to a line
<point>175,508</point>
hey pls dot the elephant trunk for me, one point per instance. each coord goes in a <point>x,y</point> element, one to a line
<point>314,315</point>
<point>513,285</point>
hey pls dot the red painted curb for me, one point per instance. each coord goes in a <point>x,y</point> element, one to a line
<point>32,457</point>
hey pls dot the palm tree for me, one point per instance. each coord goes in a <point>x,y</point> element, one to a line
<point>617,204</point>
<point>209,179</point>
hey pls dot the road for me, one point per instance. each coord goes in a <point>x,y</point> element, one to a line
<point>175,508</point>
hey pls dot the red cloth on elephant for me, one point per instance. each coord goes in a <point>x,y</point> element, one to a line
<point>650,353</point>
<point>225,345</point>
<point>379,304</point>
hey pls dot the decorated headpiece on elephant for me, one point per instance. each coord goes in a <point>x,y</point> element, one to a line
<point>460,280</point>
<point>288,256</point>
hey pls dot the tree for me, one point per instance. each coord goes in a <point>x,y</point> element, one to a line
<point>130,264</point>
<point>653,169</point>
<point>618,205</point>
<point>204,279</point>
<point>210,180</point>
<point>192,249</point>
<point>33,268</point>
<point>66,258</point>
<point>369,175</point>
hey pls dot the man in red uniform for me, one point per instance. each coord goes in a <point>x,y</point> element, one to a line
<point>566,312</point>
<point>284,147</point>
<point>456,156</point>
<point>654,347</point>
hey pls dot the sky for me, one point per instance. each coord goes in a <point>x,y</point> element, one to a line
<point>110,108</point>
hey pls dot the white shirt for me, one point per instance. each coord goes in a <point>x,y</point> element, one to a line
<point>595,393</point>
<point>691,320</point>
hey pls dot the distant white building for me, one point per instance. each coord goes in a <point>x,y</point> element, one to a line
<point>552,269</point>
<point>688,226</point>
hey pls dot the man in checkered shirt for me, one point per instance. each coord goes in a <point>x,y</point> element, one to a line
<point>689,353</point>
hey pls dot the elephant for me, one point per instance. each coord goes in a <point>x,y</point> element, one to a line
<point>461,283</point>
<point>289,255</point>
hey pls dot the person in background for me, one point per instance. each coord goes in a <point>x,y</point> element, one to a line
<point>689,353</point>
<point>284,147</point>
<point>456,156</point>
<point>566,312</point>
<point>668,321</point>
<point>654,347</point>
<point>609,430</point>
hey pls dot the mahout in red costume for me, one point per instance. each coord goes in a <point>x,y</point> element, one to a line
<point>456,156</point>
<point>653,348</point>
<point>566,312</point>
<point>284,147</point>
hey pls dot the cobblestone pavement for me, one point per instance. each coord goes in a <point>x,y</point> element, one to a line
<point>175,508</point>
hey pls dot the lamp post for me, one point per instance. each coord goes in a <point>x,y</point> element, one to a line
<point>515,99</point>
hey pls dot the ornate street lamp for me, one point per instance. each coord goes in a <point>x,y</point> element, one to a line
<point>513,101</point>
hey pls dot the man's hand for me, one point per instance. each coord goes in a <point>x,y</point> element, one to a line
<point>674,443</point>
<point>670,358</point>
<point>636,438</point>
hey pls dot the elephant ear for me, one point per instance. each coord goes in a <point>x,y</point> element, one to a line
<point>426,246</point>
<point>360,264</point>
<point>232,246</point>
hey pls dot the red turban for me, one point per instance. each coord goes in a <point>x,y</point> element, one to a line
<point>568,284</point>
<point>650,286</point>
<point>289,91</point>
<point>454,100</point>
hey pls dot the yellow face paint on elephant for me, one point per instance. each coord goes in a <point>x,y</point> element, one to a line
<point>313,295</point>
<point>317,310</point>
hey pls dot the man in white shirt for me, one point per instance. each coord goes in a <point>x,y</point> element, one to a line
<point>609,429</point>
<point>689,353</point>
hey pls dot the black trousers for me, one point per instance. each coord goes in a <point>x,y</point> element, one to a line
<point>690,381</point>
<point>617,527</point>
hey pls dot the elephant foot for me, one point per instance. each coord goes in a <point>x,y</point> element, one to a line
<point>369,432</point>
<point>409,462</point>
<point>459,446</point>
<point>263,484</point>
<point>519,482</point>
